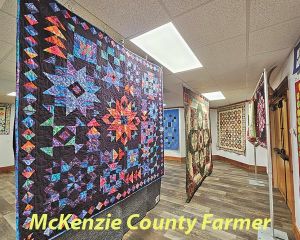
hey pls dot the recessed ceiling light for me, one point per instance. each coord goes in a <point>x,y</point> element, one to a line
<point>166,45</point>
<point>12,94</point>
<point>211,96</point>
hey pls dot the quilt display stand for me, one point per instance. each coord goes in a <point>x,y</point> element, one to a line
<point>269,233</point>
<point>254,181</point>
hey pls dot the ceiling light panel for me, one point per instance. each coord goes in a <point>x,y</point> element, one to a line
<point>212,96</point>
<point>166,45</point>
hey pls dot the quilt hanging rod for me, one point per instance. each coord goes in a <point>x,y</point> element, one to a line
<point>262,74</point>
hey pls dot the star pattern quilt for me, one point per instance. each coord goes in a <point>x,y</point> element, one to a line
<point>232,128</point>
<point>198,141</point>
<point>171,129</point>
<point>89,122</point>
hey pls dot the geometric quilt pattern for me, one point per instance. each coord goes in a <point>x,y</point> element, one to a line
<point>232,129</point>
<point>5,118</point>
<point>198,141</point>
<point>171,129</point>
<point>89,123</point>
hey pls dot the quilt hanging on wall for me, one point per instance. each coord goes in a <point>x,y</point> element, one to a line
<point>89,118</point>
<point>5,111</point>
<point>198,141</point>
<point>171,129</point>
<point>297,93</point>
<point>259,101</point>
<point>232,128</point>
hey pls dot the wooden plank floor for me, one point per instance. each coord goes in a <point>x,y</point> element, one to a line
<point>226,193</point>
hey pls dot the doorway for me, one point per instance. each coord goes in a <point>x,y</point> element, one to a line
<point>280,141</point>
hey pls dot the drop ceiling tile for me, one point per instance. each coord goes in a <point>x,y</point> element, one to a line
<point>269,12</point>
<point>212,22</point>
<point>5,49</point>
<point>199,74</point>
<point>9,6</point>
<point>128,17</point>
<point>12,54</point>
<point>8,30</point>
<point>7,76</point>
<point>8,66</point>
<point>176,7</point>
<point>274,38</point>
<point>267,60</point>
<point>7,87</point>
<point>225,58</point>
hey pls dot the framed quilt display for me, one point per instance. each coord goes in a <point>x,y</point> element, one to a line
<point>5,111</point>
<point>198,141</point>
<point>232,128</point>
<point>171,129</point>
<point>89,118</point>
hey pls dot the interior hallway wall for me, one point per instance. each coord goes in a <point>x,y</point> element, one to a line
<point>181,152</point>
<point>248,158</point>
<point>287,71</point>
<point>6,144</point>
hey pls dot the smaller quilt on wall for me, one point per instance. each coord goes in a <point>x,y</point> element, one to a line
<point>260,115</point>
<point>232,128</point>
<point>4,118</point>
<point>171,129</point>
<point>251,132</point>
<point>198,141</point>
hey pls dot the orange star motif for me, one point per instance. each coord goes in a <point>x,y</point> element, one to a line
<point>124,120</point>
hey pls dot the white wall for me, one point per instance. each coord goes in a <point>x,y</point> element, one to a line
<point>181,152</point>
<point>287,70</point>
<point>261,153</point>
<point>6,144</point>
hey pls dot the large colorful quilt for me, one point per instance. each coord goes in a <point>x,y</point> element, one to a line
<point>5,118</point>
<point>232,128</point>
<point>89,126</point>
<point>259,100</point>
<point>171,129</point>
<point>198,141</point>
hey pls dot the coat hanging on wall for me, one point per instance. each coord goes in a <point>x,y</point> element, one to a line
<point>198,141</point>
<point>5,111</point>
<point>259,101</point>
<point>232,128</point>
<point>171,129</point>
<point>89,129</point>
